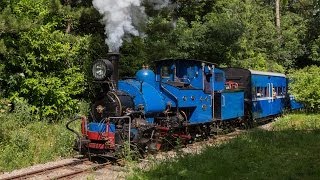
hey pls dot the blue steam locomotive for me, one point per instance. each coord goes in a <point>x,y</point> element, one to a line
<point>183,99</point>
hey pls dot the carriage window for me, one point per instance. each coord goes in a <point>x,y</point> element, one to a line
<point>279,91</point>
<point>266,92</point>
<point>284,90</point>
<point>218,77</point>
<point>274,92</point>
<point>254,92</point>
<point>260,92</point>
<point>165,71</point>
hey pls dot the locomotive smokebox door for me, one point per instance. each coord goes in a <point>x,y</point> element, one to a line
<point>102,69</point>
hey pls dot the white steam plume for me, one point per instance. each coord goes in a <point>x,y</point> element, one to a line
<point>159,4</point>
<point>117,17</point>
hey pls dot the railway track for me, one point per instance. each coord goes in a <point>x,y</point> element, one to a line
<point>60,171</point>
<point>77,167</point>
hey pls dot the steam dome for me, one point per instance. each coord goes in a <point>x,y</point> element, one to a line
<point>146,75</point>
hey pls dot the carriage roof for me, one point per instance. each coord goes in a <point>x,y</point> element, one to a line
<point>267,73</point>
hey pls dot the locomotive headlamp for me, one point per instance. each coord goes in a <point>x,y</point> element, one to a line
<point>102,69</point>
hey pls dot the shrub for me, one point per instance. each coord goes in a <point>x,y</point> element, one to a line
<point>5,105</point>
<point>40,61</point>
<point>305,85</point>
<point>25,139</point>
<point>33,143</point>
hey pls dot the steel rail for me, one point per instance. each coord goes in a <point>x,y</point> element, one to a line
<point>39,171</point>
<point>80,171</point>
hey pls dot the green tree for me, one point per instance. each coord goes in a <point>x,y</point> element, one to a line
<point>234,33</point>
<point>133,57</point>
<point>305,84</point>
<point>310,11</point>
<point>42,60</point>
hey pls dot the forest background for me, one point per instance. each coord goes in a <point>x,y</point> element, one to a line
<point>47,48</point>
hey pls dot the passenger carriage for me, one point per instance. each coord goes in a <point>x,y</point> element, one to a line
<point>265,92</point>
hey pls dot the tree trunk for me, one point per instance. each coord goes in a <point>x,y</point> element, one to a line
<point>69,20</point>
<point>278,17</point>
<point>68,29</point>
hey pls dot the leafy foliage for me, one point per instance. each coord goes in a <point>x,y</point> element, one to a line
<point>315,50</point>
<point>26,141</point>
<point>133,56</point>
<point>233,33</point>
<point>33,143</point>
<point>305,84</point>
<point>47,47</point>
<point>42,61</point>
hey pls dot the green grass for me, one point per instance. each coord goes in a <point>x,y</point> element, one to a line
<point>36,142</point>
<point>298,121</point>
<point>25,141</point>
<point>258,154</point>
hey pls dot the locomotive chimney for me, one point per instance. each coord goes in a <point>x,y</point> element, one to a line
<point>114,58</point>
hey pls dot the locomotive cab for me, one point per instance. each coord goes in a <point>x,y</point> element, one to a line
<point>198,88</point>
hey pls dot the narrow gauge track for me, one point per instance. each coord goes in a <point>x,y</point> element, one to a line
<point>61,171</point>
<point>77,167</point>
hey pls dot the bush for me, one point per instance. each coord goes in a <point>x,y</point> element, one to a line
<point>5,105</point>
<point>305,85</point>
<point>33,143</point>
<point>40,61</point>
<point>25,139</point>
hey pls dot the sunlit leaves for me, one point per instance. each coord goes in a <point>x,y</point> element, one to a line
<point>40,61</point>
<point>315,50</point>
<point>305,85</point>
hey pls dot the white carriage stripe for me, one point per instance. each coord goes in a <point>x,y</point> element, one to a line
<point>267,73</point>
<point>267,98</point>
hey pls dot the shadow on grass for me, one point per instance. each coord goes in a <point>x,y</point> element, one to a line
<point>258,154</point>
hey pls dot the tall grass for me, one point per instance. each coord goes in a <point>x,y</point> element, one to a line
<point>298,121</point>
<point>291,152</point>
<point>25,141</point>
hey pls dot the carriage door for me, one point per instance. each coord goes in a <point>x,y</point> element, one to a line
<point>277,96</point>
<point>275,100</point>
<point>270,98</point>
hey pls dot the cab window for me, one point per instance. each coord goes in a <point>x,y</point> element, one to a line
<point>165,72</point>
<point>218,77</point>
